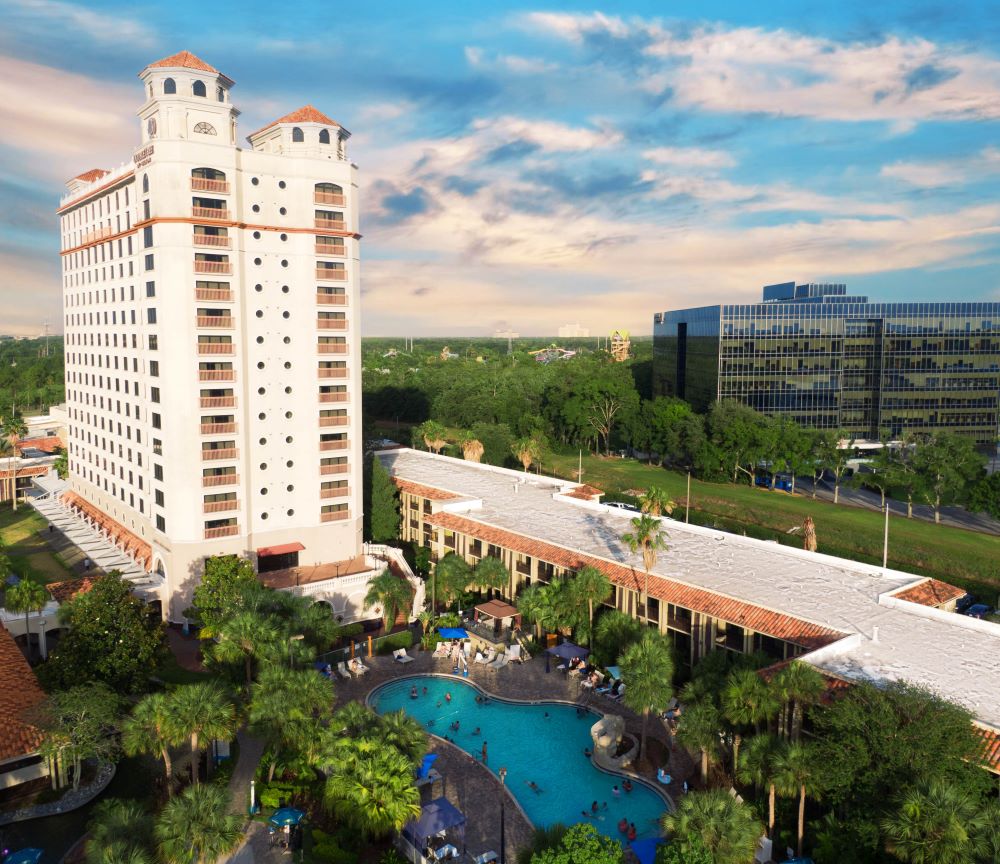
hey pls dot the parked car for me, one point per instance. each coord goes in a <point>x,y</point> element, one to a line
<point>964,603</point>
<point>978,610</point>
<point>621,505</point>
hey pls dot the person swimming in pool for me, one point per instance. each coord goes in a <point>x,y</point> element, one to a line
<point>413,692</point>
<point>534,787</point>
<point>447,697</point>
<point>454,726</point>
<point>632,833</point>
<point>627,785</point>
<point>476,731</point>
<point>425,691</point>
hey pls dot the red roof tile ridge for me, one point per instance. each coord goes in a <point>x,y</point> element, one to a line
<point>929,592</point>
<point>305,114</point>
<point>92,175</point>
<point>184,60</point>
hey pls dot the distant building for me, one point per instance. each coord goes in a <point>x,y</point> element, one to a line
<point>620,345</point>
<point>506,334</point>
<point>830,360</point>
<point>573,331</point>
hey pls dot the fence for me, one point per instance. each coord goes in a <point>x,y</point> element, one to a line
<point>360,645</point>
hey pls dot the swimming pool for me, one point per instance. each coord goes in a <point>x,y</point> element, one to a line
<point>541,743</point>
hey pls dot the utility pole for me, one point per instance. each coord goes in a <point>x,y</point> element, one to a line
<point>885,538</point>
<point>687,501</point>
<point>579,470</point>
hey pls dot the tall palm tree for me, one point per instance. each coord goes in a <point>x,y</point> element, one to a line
<point>14,428</point>
<point>794,770</point>
<point>202,712</point>
<point>434,435</point>
<point>591,586</point>
<point>533,604</point>
<point>725,826</point>
<point>526,451</point>
<point>390,592</point>
<point>374,791</point>
<point>119,831</point>
<point>27,596</point>
<point>648,667</point>
<point>700,731</point>
<point>196,827</point>
<point>758,765</point>
<point>245,637</point>
<point>747,700</point>
<point>656,502</point>
<point>647,537</point>
<point>989,831</point>
<point>472,447</point>
<point>491,574</point>
<point>797,685</point>
<point>151,729</point>
<point>451,577</point>
<point>939,823</point>
<point>398,729</point>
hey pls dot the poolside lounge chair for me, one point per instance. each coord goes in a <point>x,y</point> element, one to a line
<point>491,655</point>
<point>586,685</point>
<point>400,656</point>
<point>514,653</point>
<point>500,662</point>
<point>606,688</point>
<point>442,649</point>
<point>486,858</point>
<point>479,658</point>
<point>342,670</point>
<point>356,667</point>
<point>617,697</point>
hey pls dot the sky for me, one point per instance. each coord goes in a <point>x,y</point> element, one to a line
<point>529,166</point>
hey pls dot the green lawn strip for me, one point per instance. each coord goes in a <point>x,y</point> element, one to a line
<point>965,558</point>
<point>30,555</point>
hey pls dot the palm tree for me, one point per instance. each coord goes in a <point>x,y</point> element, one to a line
<point>797,685</point>
<point>533,604</point>
<point>374,791</point>
<point>450,578</point>
<point>151,729</point>
<point>526,451</point>
<point>591,586</point>
<point>390,592</point>
<point>247,636</point>
<point>8,453</point>
<point>196,827</point>
<point>747,700</point>
<point>989,831</point>
<point>434,435</point>
<point>699,731</point>
<point>491,574</point>
<point>646,537</point>
<point>472,447</point>
<point>119,831</point>
<point>656,502</point>
<point>648,667</point>
<point>201,712</point>
<point>722,824</point>
<point>939,823</point>
<point>398,729</point>
<point>27,596</point>
<point>14,428</point>
<point>793,774</point>
<point>758,766</point>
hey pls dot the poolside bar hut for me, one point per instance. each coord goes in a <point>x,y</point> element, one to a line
<point>438,835</point>
<point>494,620</point>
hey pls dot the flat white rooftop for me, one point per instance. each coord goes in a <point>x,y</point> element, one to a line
<point>886,639</point>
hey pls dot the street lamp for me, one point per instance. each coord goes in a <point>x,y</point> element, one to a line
<point>503,795</point>
<point>297,638</point>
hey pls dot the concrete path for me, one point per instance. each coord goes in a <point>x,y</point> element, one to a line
<point>251,751</point>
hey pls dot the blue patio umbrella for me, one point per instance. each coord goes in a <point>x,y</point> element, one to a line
<point>24,856</point>
<point>425,765</point>
<point>453,633</point>
<point>568,651</point>
<point>284,816</point>
<point>645,849</point>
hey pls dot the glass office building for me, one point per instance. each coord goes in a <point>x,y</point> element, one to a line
<point>823,358</point>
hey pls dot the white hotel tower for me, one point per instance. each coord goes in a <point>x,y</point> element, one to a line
<point>212,338</point>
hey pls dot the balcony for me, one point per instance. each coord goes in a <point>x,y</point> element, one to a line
<point>215,240</point>
<point>213,267</point>
<point>216,374</point>
<point>326,224</point>
<point>331,348</point>
<point>339,516</point>
<point>223,294</point>
<point>333,421</point>
<point>333,445</point>
<point>331,274</point>
<point>223,322</point>
<point>227,453</point>
<point>209,212</point>
<point>217,428</point>
<point>217,401</point>
<point>331,323</point>
<point>215,348</point>
<point>331,373</point>
<point>224,531</point>
<point>96,234</point>
<point>342,492</point>
<point>334,469</point>
<point>327,249</point>
<point>331,299</point>
<point>220,480</point>
<point>333,397</point>
<point>335,198</point>
<point>220,506</point>
<point>202,184</point>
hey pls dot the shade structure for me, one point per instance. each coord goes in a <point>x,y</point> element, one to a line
<point>568,651</point>
<point>645,849</point>
<point>283,549</point>
<point>436,816</point>
<point>496,609</point>
<point>453,633</point>
<point>24,856</point>
<point>286,816</point>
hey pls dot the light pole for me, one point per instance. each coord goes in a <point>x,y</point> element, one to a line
<point>503,795</point>
<point>885,538</point>
<point>296,638</point>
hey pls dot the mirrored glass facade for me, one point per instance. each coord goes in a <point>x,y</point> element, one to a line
<point>826,359</point>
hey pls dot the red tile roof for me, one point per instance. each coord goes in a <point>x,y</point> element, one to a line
<point>19,693</point>
<point>420,491</point>
<point>121,536</point>
<point>47,444</point>
<point>931,592</point>
<point>283,549</point>
<point>92,175</point>
<point>585,493</point>
<point>306,114</point>
<point>70,588</point>
<point>991,747</point>
<point>184,60</point>
<point>28,471</point>
<point>756,618</point>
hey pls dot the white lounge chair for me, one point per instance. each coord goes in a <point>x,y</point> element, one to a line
<point>356,667</point>
<point>486,858</point>
<point>400,656</point>
<point>514,653</point>
<point>500,662</point>
<point>479,658</point>
<point>467,648</point>
<point>442,649</point>
<point>586,685</point>
<point>491,655</point>
<point>342,670</point>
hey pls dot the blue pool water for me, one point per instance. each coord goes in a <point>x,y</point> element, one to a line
<point>548,751</point>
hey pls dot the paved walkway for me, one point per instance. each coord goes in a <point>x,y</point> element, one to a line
<point>186,650</point>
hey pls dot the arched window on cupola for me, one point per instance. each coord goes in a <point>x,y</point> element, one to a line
<point>198,88</point>
<point>169,86</point>
<point>324,136</point>
<point>297,136</point>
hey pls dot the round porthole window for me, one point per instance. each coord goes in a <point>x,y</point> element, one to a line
<point>258,287</point>
<point>263,515</point>
<point>286,314</point>
<point>255,181</point>
<point>288,415</point>
<point>263,466</point>
<point>260,364</point>
<point>282,211</point>
<point>259,313</point>
<point>261,390</point>
<point>289,439</point>
<point>289,488</point>
<point>287,340</point>
<point>288,365</point>
<point>290,512</point>
<point>288,389</point>
<point>256,235</point>
<point>260,340</point>
<point>281,184</point>
<point>289,463</point>
<point>263,491</point>
<point>262,441</point>
<point>284,289</point>
<point>283,236</point>
<point>284,263</point>
<point>256,261</point>
<point>256,208</point>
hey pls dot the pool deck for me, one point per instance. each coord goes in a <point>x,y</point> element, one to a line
<point>470,786</point>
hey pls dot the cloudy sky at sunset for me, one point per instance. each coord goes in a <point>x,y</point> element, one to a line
<point>532,165</point>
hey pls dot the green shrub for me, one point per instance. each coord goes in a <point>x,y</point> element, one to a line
<point>429,641</point>
<point>403,639</point>
<point>391,856</point>
<point>275,795</point>
<point>350,631</point>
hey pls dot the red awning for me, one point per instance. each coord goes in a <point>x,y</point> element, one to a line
<point>283,549</point>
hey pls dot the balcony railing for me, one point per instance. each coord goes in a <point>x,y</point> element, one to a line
<point>203,184</point>
<point>220,506</point>
<point>331,348</point>
<point>331,274</point>
<point>333,445</point>
<point>224,322</point>
<point>213,267</point>
<point>327,249</point>
<point>227,453</point>
<point>331,299</point>
<point>217,428</point>
<point>96,234</point>
<point>339,516</point>
<point>216,374</point>
<point>220,480</point>
<point>215,347</point>
<point>223,294</point>
<point>217,401</point>
<point>342,492</point>
<point>209,212</point>
<point>331,373</point>
<point>334,198</point>
<point>216,240</point>
<point>334,469</point>
<point>331,323</point>
<point>333,224</point>
<point>333,421</point>
<point>333,397</point>
<point>224,531</point>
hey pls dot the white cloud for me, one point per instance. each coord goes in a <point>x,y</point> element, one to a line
<point>514,63</point>
<point>940,173</point>
<point>111,29</point>
<point>689,157</point>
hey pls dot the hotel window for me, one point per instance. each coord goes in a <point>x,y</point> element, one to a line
<point>154,368</point>
<point>147,236</point>
<point>161,523</point>
<point>198,88</point>
<point>297,136</point>
<point>158,495</point>
<point>169,88</point>
<point>150,289</point>
<point>149,262</point>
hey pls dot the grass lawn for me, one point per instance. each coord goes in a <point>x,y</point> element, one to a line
<point>29,554</point>
<point>965,558</point>
<point>171,672</point>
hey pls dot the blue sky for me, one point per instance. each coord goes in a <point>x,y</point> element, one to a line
<point>531,165</point>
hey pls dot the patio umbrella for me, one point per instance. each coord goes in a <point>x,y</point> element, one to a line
<point>284,816</point>
<point>568,651</point>
<point>24,856</point>
<point>645,849</point>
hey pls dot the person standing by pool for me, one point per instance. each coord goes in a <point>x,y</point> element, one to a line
<point>484,753</point>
